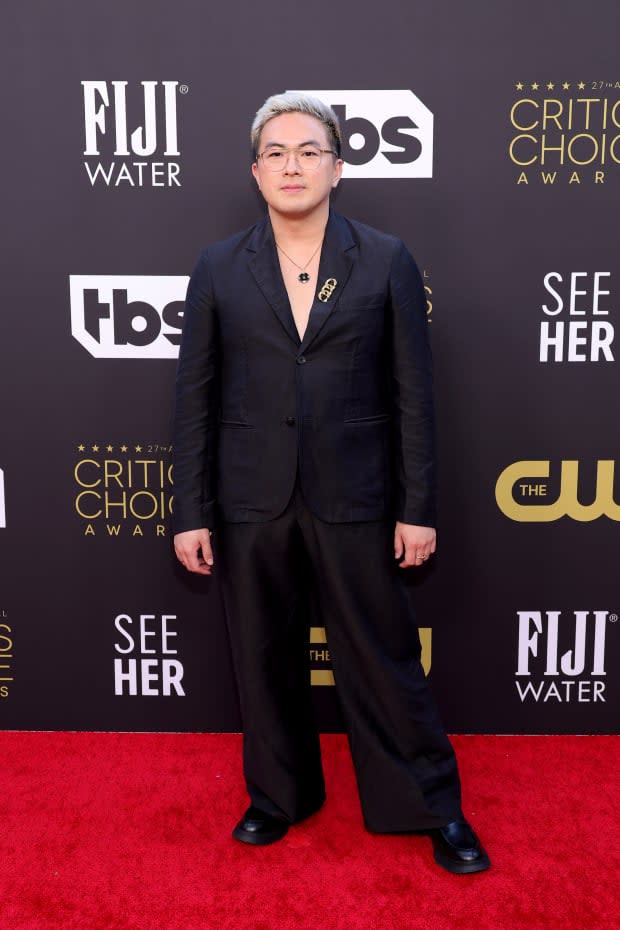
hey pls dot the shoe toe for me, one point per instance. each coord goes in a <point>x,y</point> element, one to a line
<point>259,828</point>
<point>458,849</point>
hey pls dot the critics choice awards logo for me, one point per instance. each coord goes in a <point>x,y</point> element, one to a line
<point>128,316</point>
<point>144,648</point>
<point>385,133</point>
<point>565,132</point>
<point>6,654</point>
<point>561,655</point>
<point>131,133</point>
<point>541,492</point>
<point>122,489</point>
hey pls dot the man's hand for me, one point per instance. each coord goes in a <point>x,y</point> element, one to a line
<point>194,551</point>
<point>416,542</point>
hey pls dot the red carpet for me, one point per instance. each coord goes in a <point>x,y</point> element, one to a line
<point>132,832</point>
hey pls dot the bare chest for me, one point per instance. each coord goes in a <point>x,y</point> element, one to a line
<point>300,293</point>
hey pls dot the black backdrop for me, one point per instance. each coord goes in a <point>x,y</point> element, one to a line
<point>497,161</point>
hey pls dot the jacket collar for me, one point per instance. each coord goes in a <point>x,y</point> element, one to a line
<point>337,257</point>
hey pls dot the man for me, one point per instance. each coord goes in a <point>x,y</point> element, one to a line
<point>303,451</point>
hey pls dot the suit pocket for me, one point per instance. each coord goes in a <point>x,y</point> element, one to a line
<point>365,443</point>
<point>238,459</point>
<point>363,302</point>
<point>235,424</point>
<point>377,418</point>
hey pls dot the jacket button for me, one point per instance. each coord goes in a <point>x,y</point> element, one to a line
<point>301,360</point>
<point>290,421</point>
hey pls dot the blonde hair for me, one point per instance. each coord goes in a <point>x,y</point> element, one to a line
<point>296,102</point>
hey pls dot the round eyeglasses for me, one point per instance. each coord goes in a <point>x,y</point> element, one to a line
<point>307,157</point>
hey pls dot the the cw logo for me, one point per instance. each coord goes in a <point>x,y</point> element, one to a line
<point>325,676</point>
<point>567,503</point>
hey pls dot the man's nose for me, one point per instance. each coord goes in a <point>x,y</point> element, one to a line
<point>292,163</point>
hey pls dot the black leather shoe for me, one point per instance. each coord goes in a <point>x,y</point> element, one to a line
<point>258,828</point>
<point>458,849</point>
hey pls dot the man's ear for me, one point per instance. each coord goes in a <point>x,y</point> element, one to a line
<point>339,165</point>
<point>255,174</point>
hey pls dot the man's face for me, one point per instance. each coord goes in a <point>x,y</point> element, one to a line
<point>296,190</point>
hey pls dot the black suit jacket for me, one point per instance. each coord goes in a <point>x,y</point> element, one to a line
<point>351,402</point>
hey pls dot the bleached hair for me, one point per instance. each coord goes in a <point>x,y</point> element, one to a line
<point>295,102</point>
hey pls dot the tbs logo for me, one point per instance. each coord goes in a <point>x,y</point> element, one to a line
<point>128,316</point>
<point>385,133</point>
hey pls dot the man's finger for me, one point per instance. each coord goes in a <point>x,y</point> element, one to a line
<point>415,556</point>
<point>202,557</point>
<point>195,563</point>
<point>398,545</point>
<point>207,551</point>
<point>410,556</point>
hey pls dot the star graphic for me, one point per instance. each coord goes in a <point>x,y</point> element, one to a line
<point>581,85</point>
<point>535,86</point>
<point>519,85</point>
<point>138,448</point>
<point>550,85</point>
<point>109,448</point>
<point>123,448</point>
<point>81,447</point>
<point>95,448</point>
<point>565,85</point>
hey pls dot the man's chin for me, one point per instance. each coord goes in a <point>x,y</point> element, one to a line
<point>298,209</point>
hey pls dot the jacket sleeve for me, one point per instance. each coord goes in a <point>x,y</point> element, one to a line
<point>412,394</point>
<point>196,407</point>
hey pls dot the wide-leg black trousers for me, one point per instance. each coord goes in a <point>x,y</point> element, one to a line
<point>404,763</point>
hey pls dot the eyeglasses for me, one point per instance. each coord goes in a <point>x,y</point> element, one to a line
<point>307,157</point>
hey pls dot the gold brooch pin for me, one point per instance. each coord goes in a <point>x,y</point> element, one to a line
<point>328,289</point>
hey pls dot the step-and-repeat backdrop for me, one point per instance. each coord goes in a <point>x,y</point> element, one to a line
<point>487,136</point>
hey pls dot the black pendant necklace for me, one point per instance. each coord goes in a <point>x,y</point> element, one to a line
<point>303,275</point>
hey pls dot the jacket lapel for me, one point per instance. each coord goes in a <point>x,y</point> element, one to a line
<point>265,267</point>
<point>337,256</point>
